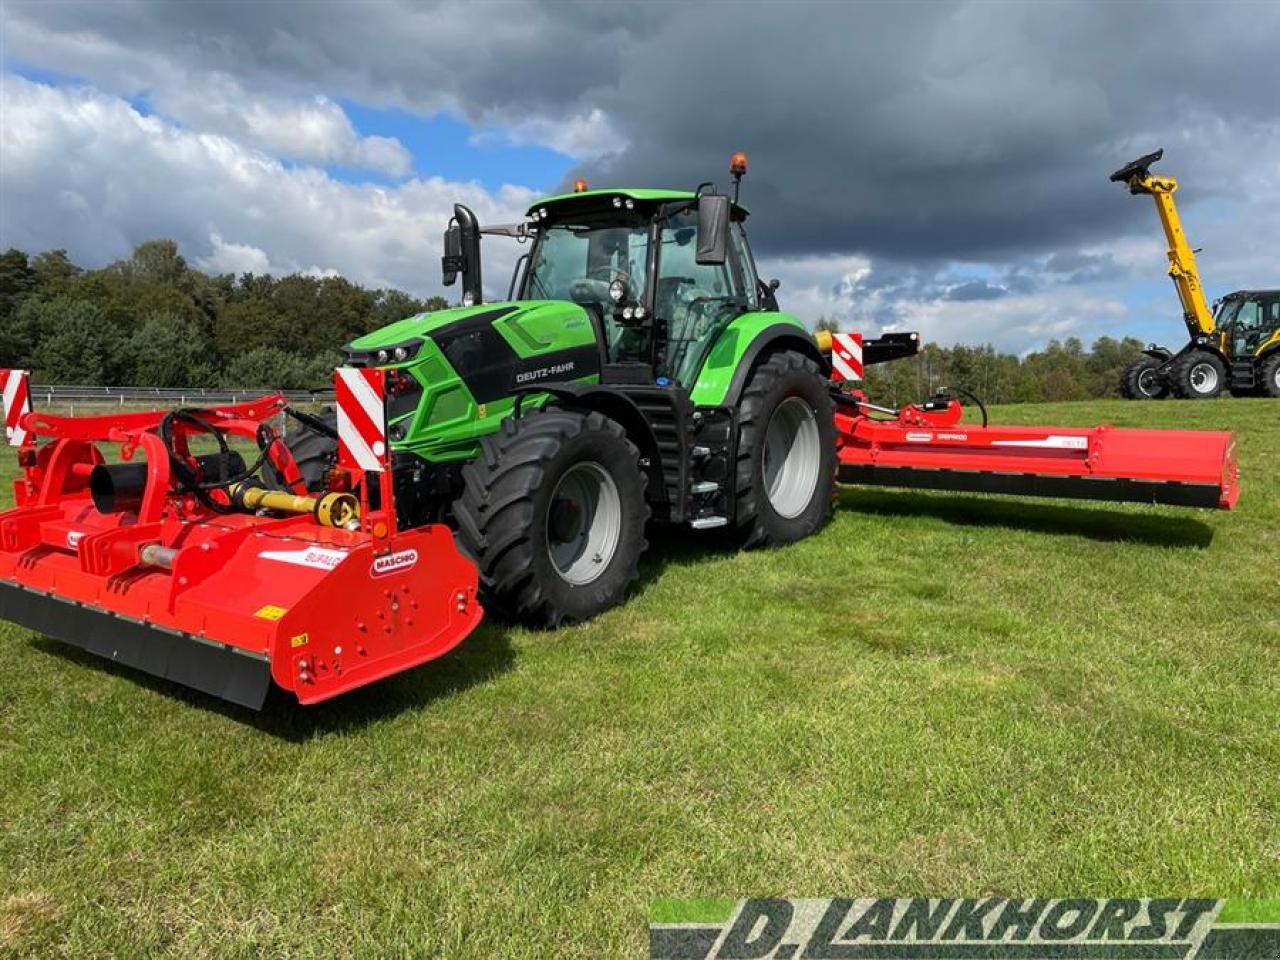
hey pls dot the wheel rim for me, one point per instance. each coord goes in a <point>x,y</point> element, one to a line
<point>1275,377</point>
<point>1204,377</point>
<point>584,522</point>
<point>1147,382</point>
<point>792,457</point>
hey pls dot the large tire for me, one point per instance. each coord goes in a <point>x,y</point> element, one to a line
<point>548,553</point>
<point>1141,380</point>
<point>315,452</point>
<point>786,452</point>
<point>1269,376</point>
<point>1197,375</point>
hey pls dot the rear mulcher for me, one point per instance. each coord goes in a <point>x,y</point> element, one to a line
<point>505,455</point>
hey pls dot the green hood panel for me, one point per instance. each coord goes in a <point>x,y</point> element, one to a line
<point>530,326</point>
<point>468,363</point>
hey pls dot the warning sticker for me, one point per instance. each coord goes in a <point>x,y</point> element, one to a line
<point>299,641</point>
<point>270,612</point>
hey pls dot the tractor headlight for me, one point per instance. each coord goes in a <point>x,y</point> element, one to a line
<point>397,352</point>
<point>617,290</point>
<point>468,300</point>
<point>617,203</point>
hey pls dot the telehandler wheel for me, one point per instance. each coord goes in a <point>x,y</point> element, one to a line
<point>1269,376</point>
<point>1141,380</point>
<point>1197,375</point>
<point>786,452</point>
<point>553,513</point>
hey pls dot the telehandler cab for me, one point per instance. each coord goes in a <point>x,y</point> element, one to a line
<point>1235,346</point>
<point>504,455</point>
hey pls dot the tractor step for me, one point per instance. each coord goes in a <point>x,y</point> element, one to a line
<point>708,523</point>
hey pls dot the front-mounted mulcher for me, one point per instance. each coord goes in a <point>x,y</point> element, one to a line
<point>515,453</point>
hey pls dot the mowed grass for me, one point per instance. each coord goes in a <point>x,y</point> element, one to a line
<point>938,695</point>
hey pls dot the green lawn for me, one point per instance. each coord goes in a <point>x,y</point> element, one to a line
<point>939,694</point>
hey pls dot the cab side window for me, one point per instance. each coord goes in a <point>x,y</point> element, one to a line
<point>695,299</point>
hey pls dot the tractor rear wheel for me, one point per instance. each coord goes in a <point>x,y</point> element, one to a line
<point>786,452</point>
<point>1269,376</point>
<point>553,513</point>
<point>314,446</point>
<point>1197,375</point>
<point>1141,380</point>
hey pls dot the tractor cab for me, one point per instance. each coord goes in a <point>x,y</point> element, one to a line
<point>661,273</point>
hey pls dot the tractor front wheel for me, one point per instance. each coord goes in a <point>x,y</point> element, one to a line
<point>1197,375</point>
<point>786,452</point>
<point>1141,380</point>
<point>553,513</point>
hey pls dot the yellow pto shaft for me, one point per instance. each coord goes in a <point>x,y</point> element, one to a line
<point>330,510</point>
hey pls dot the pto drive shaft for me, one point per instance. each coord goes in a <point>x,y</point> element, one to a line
<point>340,510</point>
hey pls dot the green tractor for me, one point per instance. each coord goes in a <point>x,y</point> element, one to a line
<point>639,369</point>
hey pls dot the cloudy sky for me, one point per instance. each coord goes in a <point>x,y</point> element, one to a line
<point>940,167</point>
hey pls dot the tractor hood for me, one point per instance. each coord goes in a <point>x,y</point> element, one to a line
<point>528,327</point>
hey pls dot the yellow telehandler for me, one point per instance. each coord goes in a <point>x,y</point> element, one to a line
<point>1234,346</point>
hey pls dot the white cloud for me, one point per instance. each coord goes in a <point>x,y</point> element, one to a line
<point>88,172</point>
<point>585,136</point>
<point>313,130</point>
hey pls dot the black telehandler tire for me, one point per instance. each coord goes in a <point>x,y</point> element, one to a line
<point>1197,375</point>
<point>786,465</point>
<point>553,513</point>
<point>1269,375</point>
<point>1141,380</point>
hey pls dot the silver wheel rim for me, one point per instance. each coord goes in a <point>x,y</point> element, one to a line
<point>792,457</point>
<point>1204,377</point>
<point>1276,377</point>
<point>1147,382</point>
<point>584,524</point>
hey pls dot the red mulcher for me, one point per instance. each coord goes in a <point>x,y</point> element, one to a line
<point>189,568</point>
<point>183,567</point>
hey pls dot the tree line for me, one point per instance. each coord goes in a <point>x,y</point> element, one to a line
<point>152,320</point>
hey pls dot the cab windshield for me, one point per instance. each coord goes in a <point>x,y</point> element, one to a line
<point>578,261</point>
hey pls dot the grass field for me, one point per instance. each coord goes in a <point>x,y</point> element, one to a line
<point>939,694</point>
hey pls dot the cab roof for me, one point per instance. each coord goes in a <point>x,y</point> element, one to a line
<point>586,197</point>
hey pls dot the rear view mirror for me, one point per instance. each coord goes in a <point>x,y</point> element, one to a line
<point>462,254</point>
<point>452,262</point>
<point>713,229</point>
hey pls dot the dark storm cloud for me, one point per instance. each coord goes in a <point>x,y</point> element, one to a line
<point>907,131</point>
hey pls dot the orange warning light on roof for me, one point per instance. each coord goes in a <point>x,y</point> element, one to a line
<point>738,165</point>
<point>579,186</point>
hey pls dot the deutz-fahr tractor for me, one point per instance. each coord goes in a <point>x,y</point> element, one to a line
<point>639,367</point>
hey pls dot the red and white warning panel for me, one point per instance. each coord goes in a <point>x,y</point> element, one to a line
<point>362,419</point>
<point>846,357</point>
<point>15,388</point>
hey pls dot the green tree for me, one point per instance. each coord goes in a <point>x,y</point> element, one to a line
<point>76,343</point>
